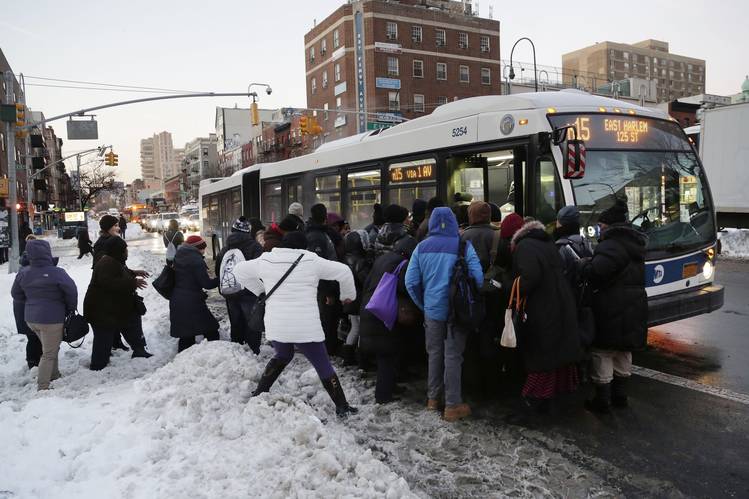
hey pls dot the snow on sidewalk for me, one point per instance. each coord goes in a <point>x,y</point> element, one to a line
<point>734,243</point>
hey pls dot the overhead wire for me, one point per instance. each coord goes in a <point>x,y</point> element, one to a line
<point>103,89</point>
<point>117,85</point>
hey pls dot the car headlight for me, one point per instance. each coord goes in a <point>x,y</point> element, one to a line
<point>707,270</point>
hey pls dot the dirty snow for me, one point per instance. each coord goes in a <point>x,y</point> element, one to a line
<point>734,243</point>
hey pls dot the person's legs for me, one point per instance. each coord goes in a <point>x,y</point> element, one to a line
<point>455,343</point>
<point>234,311</point>
<point>33,348</point>
<point>274,368</point>
<point>353,335</point>
<point>133,333</point>
<point>50,336</point>
<point>102,347</point>
<point>317,354</point>
<point>252,338</point>
<point>435,332</point>
<point>622,365</point>
<point>386,372</point>
<point>184,343</point>
<point>602,373</point>
<point>212,336</point>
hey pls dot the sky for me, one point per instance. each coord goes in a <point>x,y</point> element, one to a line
<point>223,46</point>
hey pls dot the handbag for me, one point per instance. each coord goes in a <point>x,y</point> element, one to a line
<point>514,317</point>
<point>164,284</point>
<point>384,301</point>
<point>257,315</point>
<point>75,328</point>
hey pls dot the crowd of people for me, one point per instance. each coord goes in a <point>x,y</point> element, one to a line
<point>316,286</point>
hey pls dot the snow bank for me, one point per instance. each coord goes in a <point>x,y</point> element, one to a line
<point>734,243</point>
<point>134,231</point>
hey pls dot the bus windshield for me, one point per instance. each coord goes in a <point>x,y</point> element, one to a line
<point>656,172</point>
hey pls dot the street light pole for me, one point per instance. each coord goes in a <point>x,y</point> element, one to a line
<point>535,71</point>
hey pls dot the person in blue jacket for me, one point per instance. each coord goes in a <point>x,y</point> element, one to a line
<point>428,282</point>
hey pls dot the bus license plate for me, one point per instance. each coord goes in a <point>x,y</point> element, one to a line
<point>689,270</point>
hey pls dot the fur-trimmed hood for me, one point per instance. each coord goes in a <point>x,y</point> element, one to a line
<point>526,230</point>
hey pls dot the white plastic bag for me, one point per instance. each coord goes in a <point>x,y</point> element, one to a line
<point>509,338</point>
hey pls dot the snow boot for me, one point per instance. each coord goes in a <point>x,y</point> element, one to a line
<point>455,412</point>
<point>273,370</point>
<point>433,405</point>
<point>117,344</point>
<point>348,353</point>
<point>601,402</point>
<point>619,392</point>
<point>335,390</point>
<point>141,352</point>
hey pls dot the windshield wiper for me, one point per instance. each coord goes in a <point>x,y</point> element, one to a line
<point>672,247</point>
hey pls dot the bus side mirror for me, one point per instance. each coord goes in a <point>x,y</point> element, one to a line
<point>574,159</point>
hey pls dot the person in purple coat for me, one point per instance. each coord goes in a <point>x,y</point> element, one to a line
<point>49,295</point>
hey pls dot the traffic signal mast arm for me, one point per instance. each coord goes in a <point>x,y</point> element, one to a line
<point>96,149</point>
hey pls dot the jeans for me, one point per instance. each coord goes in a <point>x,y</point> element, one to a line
<point>606,364</point>
<point>445,345</point>
<point>51,336</point>
<point>188,341</point>
<point>352,339</point>
<point>239,309</point>
<point>104,338</point>
<point>315,352</point>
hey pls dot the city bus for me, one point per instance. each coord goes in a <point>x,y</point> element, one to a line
<point>511,150</point>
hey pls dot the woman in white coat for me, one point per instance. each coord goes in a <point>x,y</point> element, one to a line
<point>292,318</point>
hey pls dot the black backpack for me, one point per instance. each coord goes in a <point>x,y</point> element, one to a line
<point>466,304</point>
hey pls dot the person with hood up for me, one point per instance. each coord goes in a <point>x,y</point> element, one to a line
<point>188,313</point>
<point>174,237</point>
<point>301,329</point>
<point>573,247</point>
<point>33,345</point>
<point>393,230</point>
<point>355,245</point>
<point>112,305</point>
<point>122,222</point>
<point>548,338</point>
<point>49,296</point>
<point>423,230</point>
<point>240,246</point>
<point>388,346</point>
<point>616,273</point>
<point>428,278</point>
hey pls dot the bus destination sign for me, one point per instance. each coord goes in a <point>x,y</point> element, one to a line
<point>412,173</point>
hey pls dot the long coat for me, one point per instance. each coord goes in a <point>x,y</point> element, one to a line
<point>617,275</point>
<point>110,298</point>
<point>188,312</point>
<point>549,338</point>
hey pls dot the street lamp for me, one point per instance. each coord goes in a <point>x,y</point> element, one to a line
<point>535,72</point>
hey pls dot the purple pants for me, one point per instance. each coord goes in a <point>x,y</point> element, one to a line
<point>315,352</point>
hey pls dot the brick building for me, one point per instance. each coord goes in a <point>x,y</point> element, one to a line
<point>389,59</point>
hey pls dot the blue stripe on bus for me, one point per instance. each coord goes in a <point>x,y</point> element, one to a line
<point>665,272</point>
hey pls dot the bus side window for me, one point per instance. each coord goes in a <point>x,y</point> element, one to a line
<point>549,197</point>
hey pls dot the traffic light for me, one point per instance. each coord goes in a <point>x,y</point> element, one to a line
<point>254,114</point>
<point>110,159</point>
<point>314,127</point>
<point>20,115</point>
<point>115,159</point>
<point>304,124</point>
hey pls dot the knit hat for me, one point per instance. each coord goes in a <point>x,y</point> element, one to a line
<point>335,219</point>
<point>617,214</point>
<point>418,210</point>
<point>107,222</point>
<point>433,203</point>
<point>479,212</point>
<point>318,213</point>
<point>395,214</point>
<point>377,218</point>
<point>197,242</point>
<point>496,213</point>
<point>294,240</point>
<point>290,223</point>
<point>296,209</point>
<point>241,225</point>
<point>569,215</point>
<point>510,225</point>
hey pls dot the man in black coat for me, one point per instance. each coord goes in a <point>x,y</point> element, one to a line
<point>239,301</point>
<point>123,225</point>
<point>616,274</point>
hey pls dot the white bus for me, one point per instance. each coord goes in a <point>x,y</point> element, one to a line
<point>503,149</point>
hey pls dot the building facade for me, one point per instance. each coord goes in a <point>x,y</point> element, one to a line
<point>674,75</point>
<point>147,170</point>
<point>4,142</point>
<point>200,162</point>
<point>159,159</point>
<point>372,62</point>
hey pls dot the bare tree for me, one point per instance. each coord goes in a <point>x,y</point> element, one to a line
<point>92,181</point>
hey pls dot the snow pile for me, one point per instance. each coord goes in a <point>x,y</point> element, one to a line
<point>134,231</point>
<point>734,243</point>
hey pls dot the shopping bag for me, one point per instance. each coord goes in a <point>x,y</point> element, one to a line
<point>384,301</point>
<point>514,317</point>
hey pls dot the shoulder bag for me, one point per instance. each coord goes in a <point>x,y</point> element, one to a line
<point>257,315</point>
<point>75,328</point>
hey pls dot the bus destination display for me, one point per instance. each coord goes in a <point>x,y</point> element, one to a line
<point>414,173</point>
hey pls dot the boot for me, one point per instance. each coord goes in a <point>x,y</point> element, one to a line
<point>601,402</point>
<point>348,352</point>
<point>335,390</point>
<point>117,344</point>
<point>619,392</point>
<point>272,371</point>
<point>141,352</point>
<point>433,405</point>
<point>526,413</point>
<point>456,412</point>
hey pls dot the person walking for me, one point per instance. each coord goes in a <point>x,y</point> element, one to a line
<point>122,222</point>
<point>49,296</point>
<point>240,247</point>
<point>110,227</point>
<point>188,313</point>
<point>616,274</point>
<point>23,232</point>
<point>355,244</point>
<point>84,243</point>
<point>428,278</point>
<point>112,305</point>
<point>33,344</point>
<point>172,240</point>
<point>303,271</point>
<point>394,229</point>
<point>548,338</point>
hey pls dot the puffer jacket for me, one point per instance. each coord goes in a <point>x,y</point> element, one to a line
<point>389,234</point>
<point>616,274</point>
<point>47,291</point>
<point>432,262</point>
<point>188,312</point>
<point>291,313</point>
<point>319,241</point>
<point>110,298</point>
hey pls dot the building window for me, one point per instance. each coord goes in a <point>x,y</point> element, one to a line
<point>313,83</point>
<point>442,71</point>
<point>440,37</point>
<point>464,74</point>
<point>485,44</point>
<point>394,101</point>
<point>416,34</point>
<point>325,79</point>
<point>325,111</point>
<point>441,100</point>
<point>392,31</point>
<point>393,66</point>
<point>625,55</point>
<point>338,103</point>
<point>418,68</point>
<point>336,39</point>
<point>323,46</point>
<point>337,71</point>
<point>463,40</point>
<point>418,103</point>
<point>312,54</point>
<point>486,76</point>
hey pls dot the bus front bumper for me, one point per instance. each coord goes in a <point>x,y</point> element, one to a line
<point>676,306</point>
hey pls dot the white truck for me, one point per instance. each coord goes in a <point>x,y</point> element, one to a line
<point>724,149</point>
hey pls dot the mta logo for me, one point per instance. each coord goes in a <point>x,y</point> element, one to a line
<point>658,274</point>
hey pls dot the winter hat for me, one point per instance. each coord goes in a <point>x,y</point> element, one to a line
<point>463,197</point>
<point>197,242</point>
<point>318,213</point>
<point>395,214</point>
<point>496,213</point>
<point>115,247</point>
<point>107,222</point>
<point>294,240</point>
<point>335,219</point>
<point>510,225</point>
<point>289,223</point>
<point>479,212</point>
<point>356,241</point>
<point>418,210</point>
<point>433,203</point>
<point>569,215</point>
<point>256,225</point>
<point>241,225</point>
<point>377,218</point>
<point>617,214</point>
<point>296,209</point>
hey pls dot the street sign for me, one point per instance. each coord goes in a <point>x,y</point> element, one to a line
<point>83,130</point>
<point>394,117</point>
<point>371,125</point>
<point>391,83</point>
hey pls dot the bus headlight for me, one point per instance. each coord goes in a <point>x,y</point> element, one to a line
<point>707,270</point>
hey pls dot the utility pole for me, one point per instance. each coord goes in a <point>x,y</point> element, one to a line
<point>80,187</point>
<point>10,141</point>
